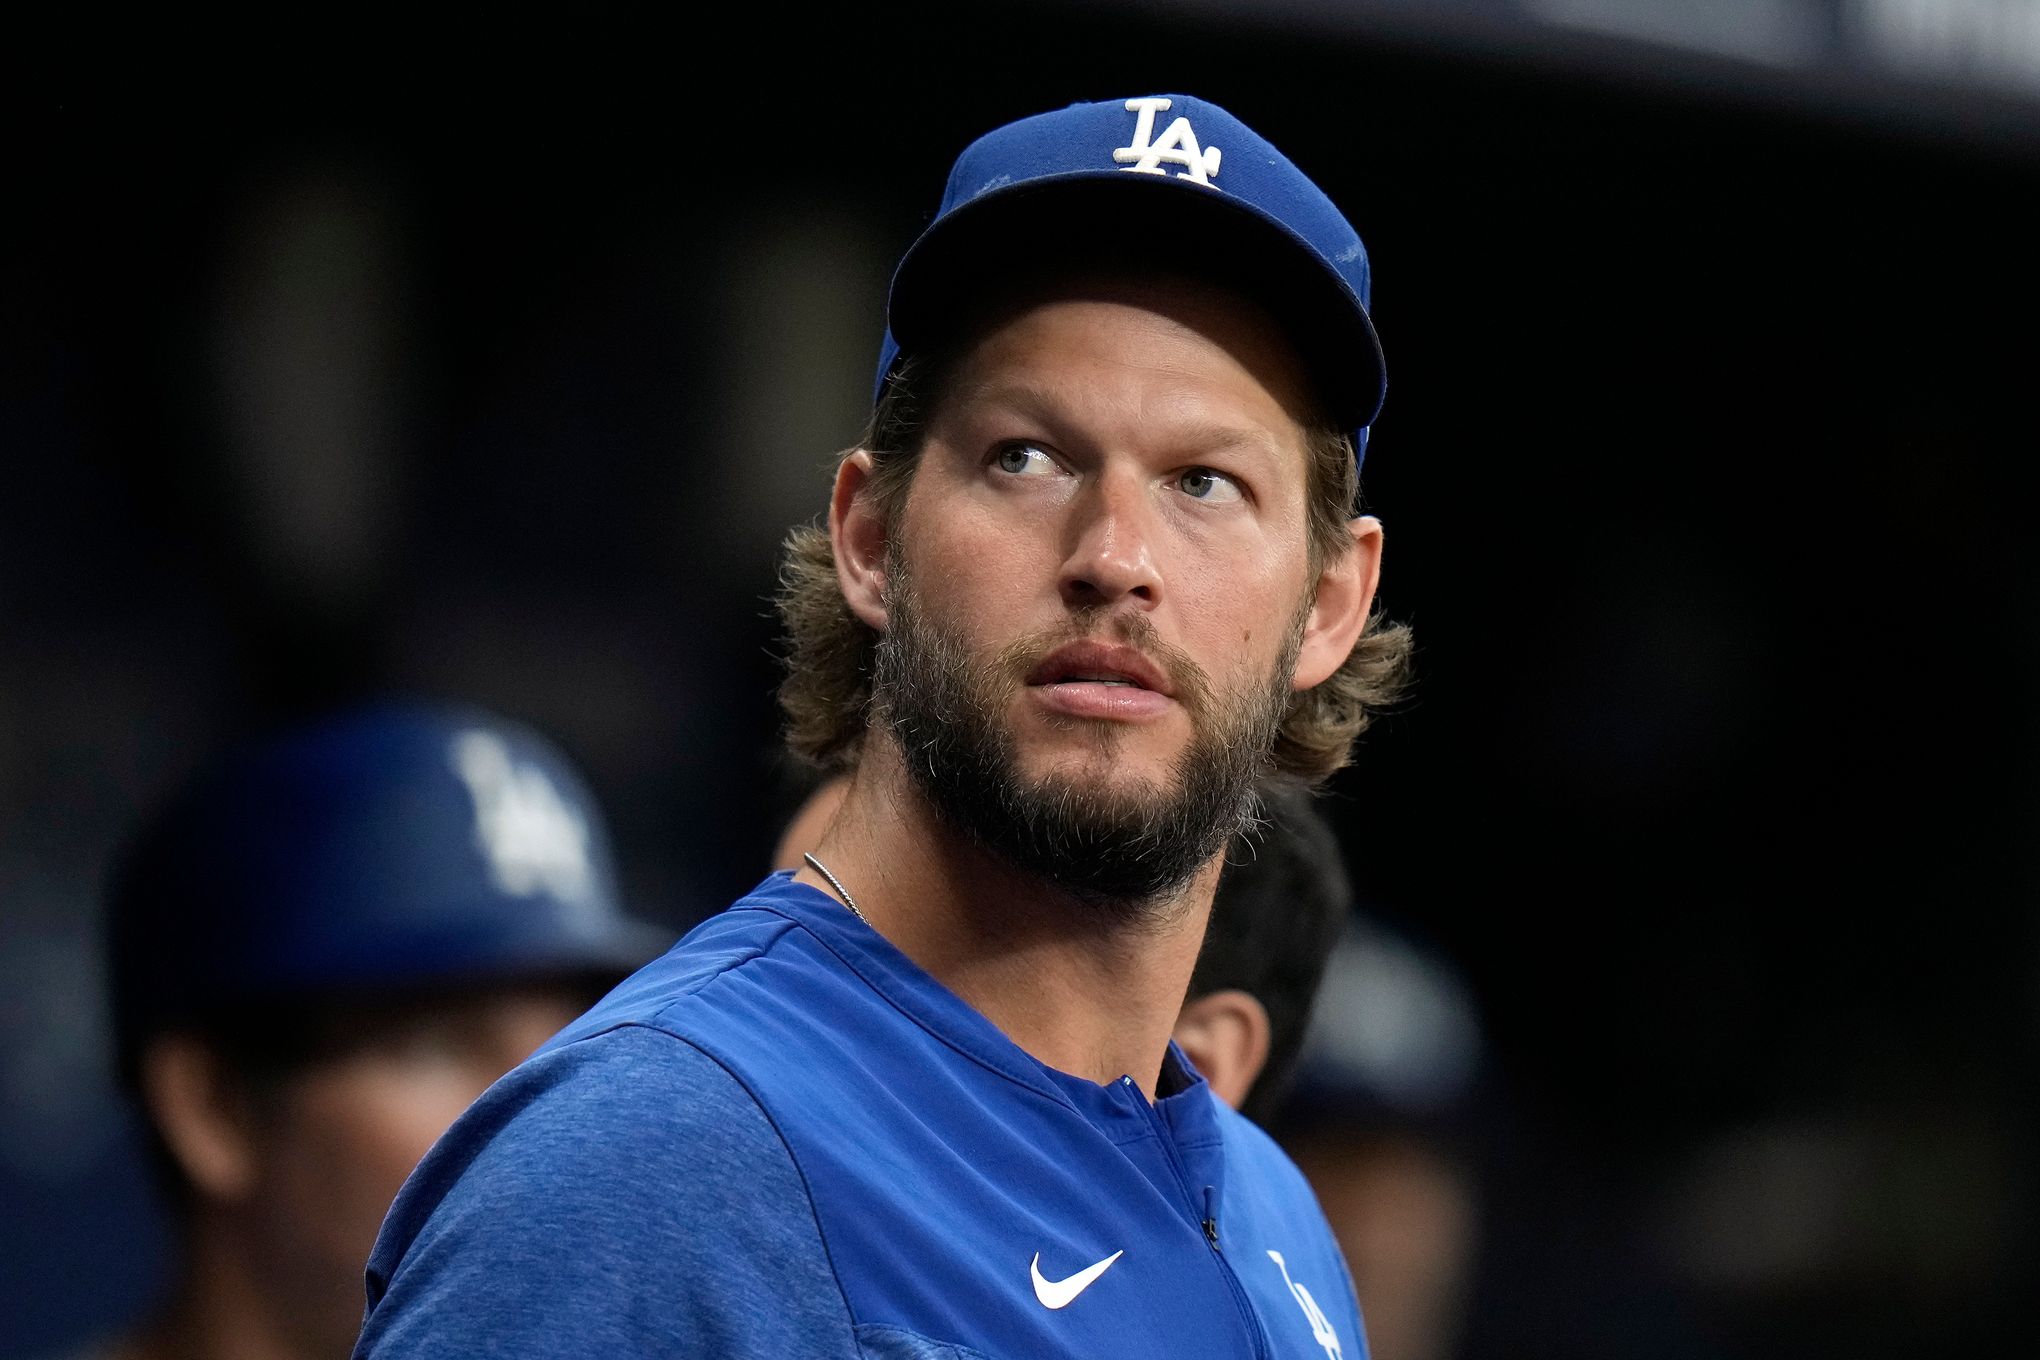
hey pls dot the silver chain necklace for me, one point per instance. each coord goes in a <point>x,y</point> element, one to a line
<point>837,884</point>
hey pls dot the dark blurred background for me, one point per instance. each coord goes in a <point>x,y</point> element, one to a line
<point>491,360</point>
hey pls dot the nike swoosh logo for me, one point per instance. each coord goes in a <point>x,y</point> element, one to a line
<point>1060,1293</point>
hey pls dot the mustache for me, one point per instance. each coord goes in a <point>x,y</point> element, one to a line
<point>1191,685</point>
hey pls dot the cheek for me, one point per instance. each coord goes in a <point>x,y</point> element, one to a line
<point>972,569</point>
<point>392,1116</point>
<point>1238,609</point>
<point>351,1136</point>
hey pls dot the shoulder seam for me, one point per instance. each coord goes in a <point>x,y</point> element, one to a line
<point>806,1186</point>
<point>657,1019</point>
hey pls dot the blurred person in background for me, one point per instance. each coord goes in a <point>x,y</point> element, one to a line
<point>1281,900</point>
<point>1380,1119</point>
<point>321,951</point>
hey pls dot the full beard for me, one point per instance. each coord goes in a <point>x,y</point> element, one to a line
<point>1122,850</point>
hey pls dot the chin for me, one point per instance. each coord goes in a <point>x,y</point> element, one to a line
<point>1106,769</point>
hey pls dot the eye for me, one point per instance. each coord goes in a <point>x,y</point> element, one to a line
<point>1203,484</point>
<point>1023,460</point>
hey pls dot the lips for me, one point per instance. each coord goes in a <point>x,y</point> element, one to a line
<point>1099,663</point>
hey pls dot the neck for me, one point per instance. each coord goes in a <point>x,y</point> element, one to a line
<point>1087,991</point>
<point>216,1311</point>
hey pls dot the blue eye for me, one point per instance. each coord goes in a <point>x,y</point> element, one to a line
<point>1205,485</point>
<point>1023,460</point>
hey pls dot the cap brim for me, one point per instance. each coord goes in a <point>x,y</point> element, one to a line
<point>1108,219</point>
<point>440,953</point>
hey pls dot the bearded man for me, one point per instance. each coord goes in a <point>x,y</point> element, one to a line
<point>1092,577</point>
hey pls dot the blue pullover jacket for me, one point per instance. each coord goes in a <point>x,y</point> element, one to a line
<point>783,1139</point>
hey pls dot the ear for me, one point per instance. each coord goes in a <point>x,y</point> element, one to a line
<point>858,534</point>
<point>1226,1034</point>
<point>191,1101</point>
<point>1345,594</point>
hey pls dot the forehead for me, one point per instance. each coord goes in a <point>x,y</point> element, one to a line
<point>1165,342</point>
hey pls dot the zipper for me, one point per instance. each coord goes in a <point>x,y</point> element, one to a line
<point>1209,1223</point>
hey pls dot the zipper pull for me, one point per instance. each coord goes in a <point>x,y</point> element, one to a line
<point>1211,1216</point>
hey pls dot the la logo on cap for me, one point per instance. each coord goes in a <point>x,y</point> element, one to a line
<point>533,838</point>
<point>1178,145</point>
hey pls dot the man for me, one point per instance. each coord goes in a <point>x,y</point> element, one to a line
<point>322,951</point>
<point>1092,576</point>
<point>1274,919</point>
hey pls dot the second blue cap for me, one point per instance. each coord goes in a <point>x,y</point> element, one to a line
<point>392,846</point>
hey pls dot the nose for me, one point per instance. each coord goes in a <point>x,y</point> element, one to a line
<point>1112,546</point>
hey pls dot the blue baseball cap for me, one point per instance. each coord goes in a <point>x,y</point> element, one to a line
<point>392,847</point>
<point>1395,1038</point>
<point>1167,179</point>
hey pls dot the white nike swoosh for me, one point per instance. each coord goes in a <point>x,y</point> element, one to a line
<point>1059,1293</point>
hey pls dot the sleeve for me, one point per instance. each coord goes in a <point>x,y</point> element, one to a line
<point>621,1196</point>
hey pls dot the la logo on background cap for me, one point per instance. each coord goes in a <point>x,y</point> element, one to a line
<point>1167,181</point>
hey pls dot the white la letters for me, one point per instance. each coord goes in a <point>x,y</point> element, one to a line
<point>1320,1325</point>
<point>1178,145</point>
<point>531,836</point>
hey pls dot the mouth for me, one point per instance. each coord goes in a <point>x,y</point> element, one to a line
<point>1099,663</point>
